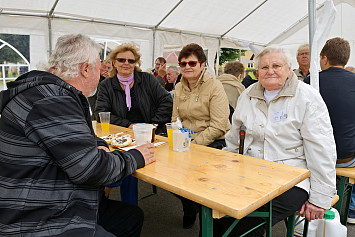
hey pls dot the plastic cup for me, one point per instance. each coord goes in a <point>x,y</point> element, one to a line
<point>170,127</point>
<point>153,132</point>
<point>142,133</point>
<point>181,141</point>
<point>105,120</point>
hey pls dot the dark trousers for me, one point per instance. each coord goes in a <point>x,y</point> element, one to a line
<point>189,207</point>
<point>120,219</point>
<point>282,207</point>
<point>128,188</point>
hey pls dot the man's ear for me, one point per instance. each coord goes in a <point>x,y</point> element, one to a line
<point>325,60</point>
<point>84,69</point>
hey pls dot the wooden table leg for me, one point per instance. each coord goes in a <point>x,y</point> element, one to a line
<point>207,222</point>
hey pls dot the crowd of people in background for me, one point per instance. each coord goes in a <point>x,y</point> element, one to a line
<point>288,122</point>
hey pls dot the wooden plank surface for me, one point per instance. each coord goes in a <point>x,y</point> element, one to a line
<point>346,172</point>
<point>228,182</point>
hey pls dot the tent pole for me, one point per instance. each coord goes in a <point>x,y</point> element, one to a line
<point>50,36</point>
<point>105,50</point>
<point>50,15</point>
<point>312,22</point>
<point>153,58</point>
<point>217,60</point>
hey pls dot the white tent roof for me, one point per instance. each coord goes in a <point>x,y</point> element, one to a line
<point>158,24</point>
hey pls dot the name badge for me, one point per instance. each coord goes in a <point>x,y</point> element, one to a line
<point>280,115</point>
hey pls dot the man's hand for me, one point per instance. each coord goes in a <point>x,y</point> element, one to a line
<point>311,211</point>
<point>103,148</point>
<point>162,70</point>
<point>147,151</point>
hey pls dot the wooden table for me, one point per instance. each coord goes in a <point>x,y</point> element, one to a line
<point>345,187</point>
<point>228,182</point>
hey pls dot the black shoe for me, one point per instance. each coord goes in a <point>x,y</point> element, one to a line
<point>188,221</point>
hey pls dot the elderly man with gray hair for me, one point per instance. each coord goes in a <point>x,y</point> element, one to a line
<point>52,166</point>
<point>303,60</point>
<point>173,76</point>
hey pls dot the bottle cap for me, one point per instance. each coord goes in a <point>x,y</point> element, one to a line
<point>330,215</point>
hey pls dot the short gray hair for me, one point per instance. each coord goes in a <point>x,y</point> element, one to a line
<point>272,49</point>
<point>70,52</point>
<point>302,47</point>
<point>174,68</point>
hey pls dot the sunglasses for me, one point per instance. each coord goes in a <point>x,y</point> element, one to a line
<point>191,63</point>
<point>123,60</point>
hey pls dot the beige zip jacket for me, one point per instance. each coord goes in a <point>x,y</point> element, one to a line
<point>293,129</point>
<point>233,88</point>
<point>204,109</point>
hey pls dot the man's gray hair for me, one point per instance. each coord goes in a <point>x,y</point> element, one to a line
<point>273,49</point>
<point>70,52</point>
<point>302,47</point>
<point>174,68</point>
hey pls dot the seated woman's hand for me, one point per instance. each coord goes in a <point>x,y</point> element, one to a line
<point>147,151</point>
<point>311,211</point>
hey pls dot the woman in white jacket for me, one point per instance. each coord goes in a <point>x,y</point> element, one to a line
<point>287,122</point>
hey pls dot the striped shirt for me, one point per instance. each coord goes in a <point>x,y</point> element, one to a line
<point>51,172</point>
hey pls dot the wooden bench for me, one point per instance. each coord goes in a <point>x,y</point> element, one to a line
<point>345,186</point>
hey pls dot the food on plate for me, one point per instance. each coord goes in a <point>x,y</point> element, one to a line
<point>121,141</point>
<point>110,137</point>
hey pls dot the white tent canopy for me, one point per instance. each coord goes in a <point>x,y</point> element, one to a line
<point>155,25</point>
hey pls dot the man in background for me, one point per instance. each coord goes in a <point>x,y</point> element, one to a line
<point>303,61</point>
<point>173,77</point>
<point>159,71</point>
<point>337,87</point>
<point>105,68</point>
<point>233,72</point>
<point>250,78</point>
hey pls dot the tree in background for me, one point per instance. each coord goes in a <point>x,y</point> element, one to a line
<point>228,55</point>
<point>20,42</point>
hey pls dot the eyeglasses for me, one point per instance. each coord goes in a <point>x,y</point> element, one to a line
<point>275,68</point>
<point>305,53</point>
<point>191,63</point>
<point>123,60</point>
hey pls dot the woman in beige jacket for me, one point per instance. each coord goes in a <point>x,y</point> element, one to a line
<point>200,101</point>
<point>202,106</point>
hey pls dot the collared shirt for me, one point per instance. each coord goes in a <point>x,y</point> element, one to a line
<point>300,75</point>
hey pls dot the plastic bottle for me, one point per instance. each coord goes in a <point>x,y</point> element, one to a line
<point>312,228</point>
<point>178,122</point>
<point>331,226</point>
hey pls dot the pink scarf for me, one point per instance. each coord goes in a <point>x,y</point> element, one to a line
<point>126,82</point>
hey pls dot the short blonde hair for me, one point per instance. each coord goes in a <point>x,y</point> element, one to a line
<point>124,48</point>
